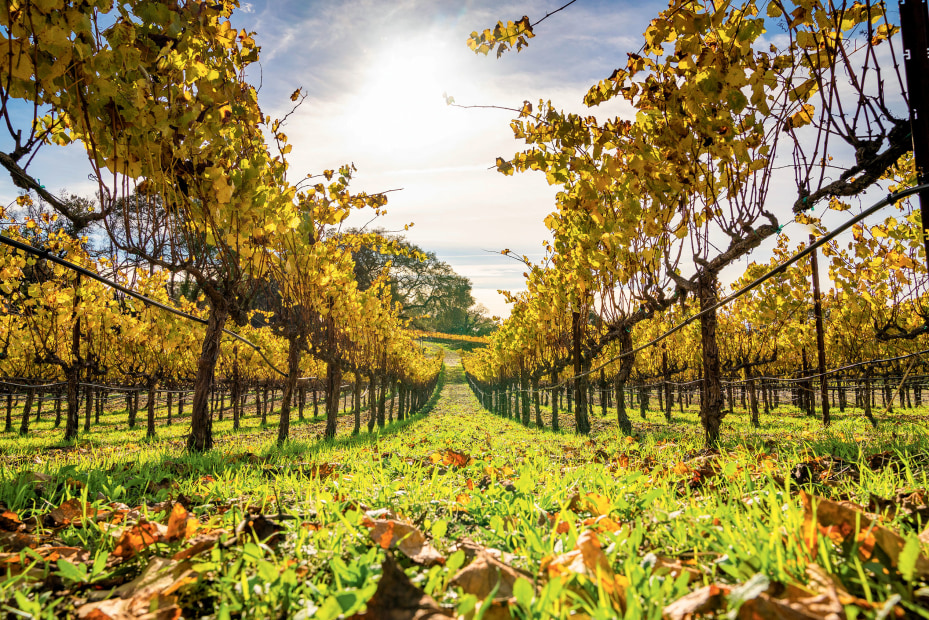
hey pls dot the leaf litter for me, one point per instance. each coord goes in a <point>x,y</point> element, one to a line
<point>465,515</point>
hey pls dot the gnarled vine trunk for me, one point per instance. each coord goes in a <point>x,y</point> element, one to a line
<point>556,391</point>
<point>711,401</point>
<point>295,348</point>
<point>581,419</point>
<point>524,396</point>
<point>356,403</point>
<point>333,383</point>
<point>201,422</point>
<point>27,410</point>
<point>619,383</point>
<point>535,399</point>
<point>73,416</point>
<point>152,385</point>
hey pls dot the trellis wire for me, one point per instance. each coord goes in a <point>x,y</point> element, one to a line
<point>24,247</point>
<point>888,199</point>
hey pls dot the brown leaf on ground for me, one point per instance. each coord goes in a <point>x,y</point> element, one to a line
<point>137,538</point>
<point>320,470</point>
<point>842,520</point>
<point>310,470</point>
<point>181,524</point>
<point>264,528</point>
<point>912,503</point>
<point>882,460</point>
<point>820,601</point>
<point>602,524</point>
<point>675,567</point>
<point>16,541</point>
<point>245,457</point>
<point>396,598</point>
<point>497,609</point>
<point>472,549</point>
<point>824,470</point>
<point>200,543</point>
<point>588,559</point>
<point>121,513</point>
<point>485,573</point>
<point>450,457</point>
<point>706,600</point>
<point>407,538</point>
<point>9,521</point>
<point>71,512</point>
<point>594,503</point>
<point>17,564</point>
<point>39,482</point>
<point>798,605</point>
<point>150,596</point>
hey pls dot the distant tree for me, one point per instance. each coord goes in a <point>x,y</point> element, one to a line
<point>432,295</point>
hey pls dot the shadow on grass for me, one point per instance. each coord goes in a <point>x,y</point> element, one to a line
<point>303,449</point>
<point>120,475</point>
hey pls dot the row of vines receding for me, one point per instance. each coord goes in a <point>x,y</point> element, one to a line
<point>752,125</point>
<point>204,272</point>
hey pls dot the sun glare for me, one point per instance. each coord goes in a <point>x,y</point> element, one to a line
<point>399,105</point>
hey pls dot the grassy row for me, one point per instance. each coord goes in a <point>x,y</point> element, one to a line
<point>526,492</point>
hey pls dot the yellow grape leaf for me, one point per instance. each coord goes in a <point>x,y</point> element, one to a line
<point>801,118</point>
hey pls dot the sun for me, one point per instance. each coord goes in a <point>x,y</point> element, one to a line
<point>399,105</point>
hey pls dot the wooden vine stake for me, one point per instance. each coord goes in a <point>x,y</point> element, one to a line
<point>914,23</point>
<point>820,337</point>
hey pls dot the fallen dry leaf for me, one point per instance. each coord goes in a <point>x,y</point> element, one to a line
<point>702,601</point>
<point>9,521</point>
<point>396,598</point>
<point>587,558</point>
<point>842,520</point>
<point>71,512</point>
<point>200,543</point>
<point>911,503</point>
<point>138,537</point>
<point>675,568</point>
<point>16,564</point>
<point>588,561</point>
<point>16,541</point>
<point>320,470</point>
<point>451,458</point>
<point>151,595</point>
<point>820,599</point>
<point>472,549</point>
<point>485,573</point>
<point>602,524</point>
<point>594,503</point>
<point>881,460</point>
<point>181,524</point>
<point>264,528</point>
<point>389,533</point>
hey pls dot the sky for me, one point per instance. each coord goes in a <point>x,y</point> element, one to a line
<point>375,73</point>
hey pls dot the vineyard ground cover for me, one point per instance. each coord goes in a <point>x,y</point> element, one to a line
<point>113,432</point>
<point>784,423</point>
<point>457,509</point>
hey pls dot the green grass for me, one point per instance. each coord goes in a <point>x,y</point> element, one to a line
<point>526,492</point>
